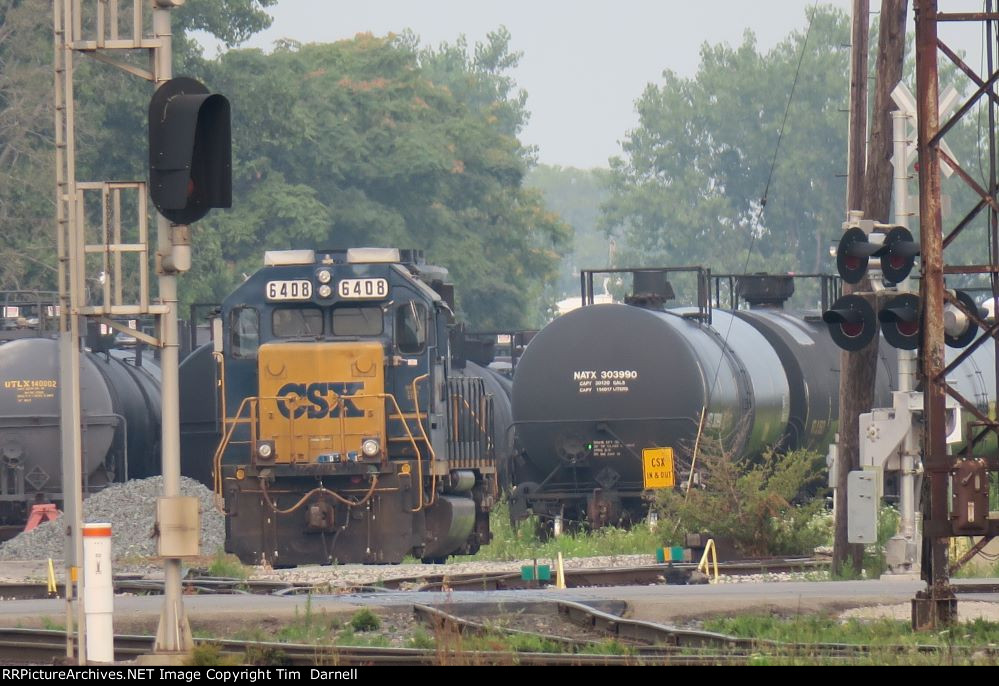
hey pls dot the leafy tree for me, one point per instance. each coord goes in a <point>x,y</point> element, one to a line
<point>353,143</point>
<point>27,149</point>
<point>576,196</point>
<point>369,141</point>
<point>110,120</point>
<point>689,187</point>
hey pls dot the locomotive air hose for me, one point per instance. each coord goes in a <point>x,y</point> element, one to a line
<point>321,489</point>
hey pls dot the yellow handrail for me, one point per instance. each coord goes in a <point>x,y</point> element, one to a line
<point>709,549</point>
<point>251,404</point>
<point>430,447</point>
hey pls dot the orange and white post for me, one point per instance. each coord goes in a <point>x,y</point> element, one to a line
<point>98,592</point>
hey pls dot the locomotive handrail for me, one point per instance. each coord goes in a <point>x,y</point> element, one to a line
<point>253,402</point>
<point>419,457</point>
<point>220,363</point>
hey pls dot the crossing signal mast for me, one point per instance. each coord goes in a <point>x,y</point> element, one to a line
<point>929,413</point>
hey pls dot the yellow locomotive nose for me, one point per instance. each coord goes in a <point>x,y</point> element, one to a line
<point>322,401</point>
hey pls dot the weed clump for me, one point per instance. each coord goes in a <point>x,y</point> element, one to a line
<point>765,507</point>
<point>365,620</point>
<point>227,566</point>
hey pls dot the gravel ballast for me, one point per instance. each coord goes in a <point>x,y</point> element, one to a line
<point>130,507</point>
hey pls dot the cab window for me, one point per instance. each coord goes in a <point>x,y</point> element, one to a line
<point>411,328</point>
<point>357,321</point>
<point>244,323</point>
<point>290,322</point>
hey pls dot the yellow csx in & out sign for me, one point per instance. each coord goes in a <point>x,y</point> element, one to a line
<point>658,464</point>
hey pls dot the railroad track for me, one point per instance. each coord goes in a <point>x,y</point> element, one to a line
<point>657,643</point>
<point>646,643</point>
<point>38,646</point>
<point>677,573</point>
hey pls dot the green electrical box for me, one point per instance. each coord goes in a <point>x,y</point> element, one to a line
<point>544,573</point>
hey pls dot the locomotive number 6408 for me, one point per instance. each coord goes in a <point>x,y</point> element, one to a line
<point>289,290</point>
<point>362,288</point>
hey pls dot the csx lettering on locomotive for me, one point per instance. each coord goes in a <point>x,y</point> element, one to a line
<point>324,399</point>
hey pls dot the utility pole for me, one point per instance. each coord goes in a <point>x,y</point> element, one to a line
<point>857,369</point>
<point>881,181</point>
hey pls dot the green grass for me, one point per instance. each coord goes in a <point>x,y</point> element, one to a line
<point>51,625</point>
<point>421,639</point>
<point>821,629</point>
<point>976,568</point>
<point>347,637</point>
<point>211,655</point>
<point>319,628</point>
<point>522,542</point>
<point>308,626</point>
<point>889,642</point>
<point>874,563</point>
<point>227,566</point>
<point>365,620</point>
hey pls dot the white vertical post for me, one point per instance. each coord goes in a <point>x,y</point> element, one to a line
<point>906,358</point>
<point>98,592</point>
<point>174,632</point>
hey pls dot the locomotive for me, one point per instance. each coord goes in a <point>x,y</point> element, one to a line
<point>347,433</point>
<point>608,398</point>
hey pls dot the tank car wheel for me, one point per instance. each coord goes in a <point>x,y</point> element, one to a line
<point>434,560</point>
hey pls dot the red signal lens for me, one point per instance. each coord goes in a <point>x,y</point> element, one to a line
<point>852,330</point>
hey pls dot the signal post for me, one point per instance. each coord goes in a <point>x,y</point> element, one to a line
<point>958,485</point>
<point>190,150</point>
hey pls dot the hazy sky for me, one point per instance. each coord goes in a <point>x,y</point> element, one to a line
<point>585,62</point>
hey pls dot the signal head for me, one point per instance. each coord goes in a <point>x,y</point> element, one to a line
<point>898,254</point>
<point>853,254</point>
<point>900,321</point>
<point>851,322</point>
<point>190,150</point>
<point>959,330</point>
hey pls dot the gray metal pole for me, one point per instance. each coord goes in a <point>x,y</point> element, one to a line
<point>174,633</point>
<point>67,239</point>
<point>910,455</point>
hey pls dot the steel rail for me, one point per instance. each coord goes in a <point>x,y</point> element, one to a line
<point>676,573</point>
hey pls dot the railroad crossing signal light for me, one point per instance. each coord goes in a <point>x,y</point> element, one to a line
<point>853,254</point>
<point>896,251</point>
<point>900,321</point>
<point>851,322</point>
<point>959,330</point>
<point>898,254</point>
<point>190,151</point>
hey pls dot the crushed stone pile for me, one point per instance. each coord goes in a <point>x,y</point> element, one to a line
<point>130,507</point>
